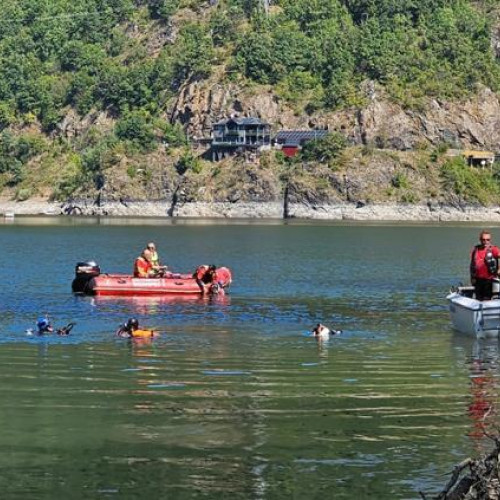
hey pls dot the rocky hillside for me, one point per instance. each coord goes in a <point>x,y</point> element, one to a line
<point>394,154</point>
<point>124,115</point>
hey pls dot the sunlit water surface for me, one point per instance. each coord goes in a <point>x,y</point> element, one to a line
<point>235,399</point>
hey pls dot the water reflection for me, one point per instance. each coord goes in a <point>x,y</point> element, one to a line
<point>145,363</point>
<point>151,221</point>
<point>483,367</point>
<point>154,304</point>
<point>322,347</point>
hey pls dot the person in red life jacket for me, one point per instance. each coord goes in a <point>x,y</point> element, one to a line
<point>484,266</point>
<point>206,277</point>
<point>143,267</point>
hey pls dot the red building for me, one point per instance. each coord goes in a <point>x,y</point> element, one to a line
<point>291,141</point>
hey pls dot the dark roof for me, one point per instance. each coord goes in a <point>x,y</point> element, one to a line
<point>243,121</point>
<point>298,137</point>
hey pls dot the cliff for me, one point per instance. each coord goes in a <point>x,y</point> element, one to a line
<point>472,123</point>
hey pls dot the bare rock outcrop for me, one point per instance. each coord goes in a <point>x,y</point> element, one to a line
<point>73,125</point>
<point>474,122</point>
<point>200,104</point>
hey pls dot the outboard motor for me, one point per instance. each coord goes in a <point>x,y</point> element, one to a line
<point>491,262</point>
<point>84,272</point>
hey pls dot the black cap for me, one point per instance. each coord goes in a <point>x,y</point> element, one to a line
<point>133,323</point>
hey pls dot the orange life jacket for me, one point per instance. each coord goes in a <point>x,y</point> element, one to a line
<point>142,267</point>
<point>144,334</point>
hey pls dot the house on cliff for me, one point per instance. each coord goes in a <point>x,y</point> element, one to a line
<point>239,135</point>
<point>250,135</point>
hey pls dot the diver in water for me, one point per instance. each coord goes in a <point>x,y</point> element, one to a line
<point>44,326</point>
<point>131,330</point>
<point>65,329</point>
<point>127,329</point>
<point>322,332</point>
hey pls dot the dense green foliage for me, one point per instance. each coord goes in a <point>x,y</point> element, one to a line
<point>325,149</point>
<point>83,54</point>
<point>414,48</point>
<point>96,55</point>
<point>470,184</point>
<point>15,153</point>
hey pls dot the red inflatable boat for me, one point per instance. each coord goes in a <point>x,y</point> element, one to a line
<point>89,280</point>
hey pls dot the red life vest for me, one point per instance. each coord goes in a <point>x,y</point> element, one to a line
<point>142,267</point>
<point>204,274</point>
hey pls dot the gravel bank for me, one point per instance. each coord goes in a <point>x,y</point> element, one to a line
<point>265,210</point>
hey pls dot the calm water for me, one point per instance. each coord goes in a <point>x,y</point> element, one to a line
<point>235,400</point>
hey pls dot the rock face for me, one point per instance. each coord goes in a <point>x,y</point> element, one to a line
<point>473,123</point>
<point>73,125</point>
<point>201,104</point>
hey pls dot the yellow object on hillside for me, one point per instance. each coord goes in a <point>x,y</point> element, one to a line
<point>479,158</point>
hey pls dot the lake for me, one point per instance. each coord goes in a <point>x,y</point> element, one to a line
<point>235,399</point>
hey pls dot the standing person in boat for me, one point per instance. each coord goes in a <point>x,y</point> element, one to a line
<point>143,267</point>
<point>155,259</point>
<point>484,266</point>
<point>206,277</point>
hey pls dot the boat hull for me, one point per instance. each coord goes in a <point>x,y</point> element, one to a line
<point>480,319</point>
<point>126,285</point>
<point>90,281</point>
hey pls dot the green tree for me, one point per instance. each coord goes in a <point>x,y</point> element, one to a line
<point>325,149</point>
<point>163,9</point>
<point>258,58</point>
<point>193,52</point>
<point>7,116</point>
<point>137,128</point>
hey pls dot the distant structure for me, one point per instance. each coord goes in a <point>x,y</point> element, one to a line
<point>479,158</point>
<point>291,141</point>
<point>239,135</point>
<point>474,157</point>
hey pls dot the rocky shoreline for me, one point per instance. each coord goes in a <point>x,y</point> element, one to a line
<point>259,210</point>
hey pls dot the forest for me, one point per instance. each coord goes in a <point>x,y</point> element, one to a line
<point>97,55</point>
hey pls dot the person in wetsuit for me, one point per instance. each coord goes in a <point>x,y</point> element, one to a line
<point>127,329</point>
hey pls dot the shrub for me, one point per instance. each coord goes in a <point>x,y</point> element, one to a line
<point>174,135</point>
<point>400,181</point>
<point>468,183</point>
<point>16,152</point>
<point>325,149</point>
<point>188,161</point>
<point>163,9</point>
<point>137,128</point>
<point>23,194</point>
